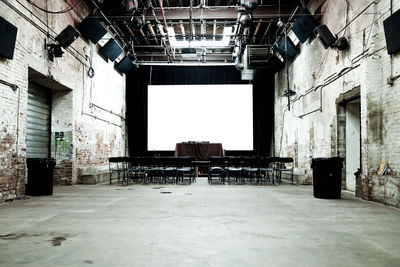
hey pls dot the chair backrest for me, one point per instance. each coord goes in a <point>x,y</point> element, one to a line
<point>266,162</point>
<point>285,160</point>
<point>251,161</point>
<point>281,162</point>
<point>116,159</point>
<point>234,161</point>
<point>185,161</point>
<point>217,161</point>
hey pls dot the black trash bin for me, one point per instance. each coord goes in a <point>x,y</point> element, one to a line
<point>40,176</point>
<point>327,177</point>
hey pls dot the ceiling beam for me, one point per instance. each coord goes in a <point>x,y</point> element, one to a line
<point>214,29</point>
<point>219,13</point>
<point>131,32</point>
<point>256,32</point>
<point>266,32</point>
<point>144,36</point>
<point>182,30</point>
<point>228,12</point>
<point>150,27</point>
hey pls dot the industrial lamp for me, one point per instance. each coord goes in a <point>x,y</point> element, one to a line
<point>327,39</point>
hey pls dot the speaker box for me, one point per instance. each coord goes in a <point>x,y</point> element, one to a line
<point>304,26</point>
<point>8,33</point>
<point>391,26</point>
<point>291,48</point>
<point>91,29</point>
<point>111,50</point>
<point>125,65</point>
<point>325,36</point>
<point>67,36</point>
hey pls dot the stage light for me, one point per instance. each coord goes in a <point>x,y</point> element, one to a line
<point>245,20</point>
<point>249,5</point>
<point>325,36</point>
<point>137,23</point>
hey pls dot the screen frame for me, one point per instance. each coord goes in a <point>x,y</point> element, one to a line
<point>229,152</point>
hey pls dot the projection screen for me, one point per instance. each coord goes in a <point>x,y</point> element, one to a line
<point>214,113</point>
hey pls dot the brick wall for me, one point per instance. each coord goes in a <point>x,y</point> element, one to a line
<point>319,76</point>
<point>73,96</point>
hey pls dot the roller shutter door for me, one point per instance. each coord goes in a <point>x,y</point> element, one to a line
<point>38,122</point>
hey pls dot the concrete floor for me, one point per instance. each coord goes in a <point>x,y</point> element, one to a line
<point>197,225</point>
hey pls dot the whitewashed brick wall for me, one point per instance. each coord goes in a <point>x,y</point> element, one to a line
<point>95,134</point>
<point>315,135</point>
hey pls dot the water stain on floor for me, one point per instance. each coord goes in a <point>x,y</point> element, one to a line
<point>56,241</point>
<point>16,236</point>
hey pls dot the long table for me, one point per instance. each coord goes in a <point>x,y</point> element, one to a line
<point>199,150</point>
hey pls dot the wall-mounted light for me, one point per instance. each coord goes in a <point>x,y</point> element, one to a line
<point>54,50</point>
<point>67,36</point>
<point>327,39</point>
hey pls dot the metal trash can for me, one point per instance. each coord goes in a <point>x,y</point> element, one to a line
<point>40,176</point>
<point>327,177</point>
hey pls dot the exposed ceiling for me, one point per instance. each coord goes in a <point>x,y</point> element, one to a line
<point>192,31</point>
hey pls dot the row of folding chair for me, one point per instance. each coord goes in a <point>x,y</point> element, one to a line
<point>152,169</point>
<point>249,169</point>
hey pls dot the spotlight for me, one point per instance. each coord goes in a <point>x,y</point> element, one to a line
<point>342,43</point>
<point>67,36</point>
<point>54,50</point>
<point>130,5</point>
<point>245,20</point>
<point>249,5</point>
<point>137,23</point>
<point>327,39</point>
<point>325,36</point>
<point>280,23</point>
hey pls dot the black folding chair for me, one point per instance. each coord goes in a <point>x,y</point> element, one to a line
<point>251,169</point>
<point>117,165</point>
<point>267,169</point>
<point>284,165</point>
<point>216,168</point>
<point>185,169</point>
<point>234,168</point>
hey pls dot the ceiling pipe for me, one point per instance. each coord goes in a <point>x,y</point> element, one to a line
<point>190,21</point>
<point>166,27</point>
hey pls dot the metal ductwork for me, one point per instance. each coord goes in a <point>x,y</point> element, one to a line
<point>255,60</point>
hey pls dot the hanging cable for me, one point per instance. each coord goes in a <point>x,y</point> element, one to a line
<point>151,74</point>
<point>166,27</point>
<point>54,12</point>
<point>190,21</point>
<point>17,141</point>
<point>283,130</point>
<point>287,66</point>
<point>359,14</point>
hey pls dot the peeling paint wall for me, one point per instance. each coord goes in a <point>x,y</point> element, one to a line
<point>88,111</point>
<point>319,76</point>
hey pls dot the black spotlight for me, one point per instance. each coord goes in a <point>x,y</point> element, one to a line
<point>325,36</point>
<point>342,43</point>
<point>130,6</point>
<point>54,50</point>
<point>137,23</point>
<point>249,5</point>
<point>245,19</point>
<point>67,36</point>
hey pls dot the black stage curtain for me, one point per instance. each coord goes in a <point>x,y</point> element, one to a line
<point>136,97</point>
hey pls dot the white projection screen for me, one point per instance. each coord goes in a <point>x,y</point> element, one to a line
<point>214,113</point>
